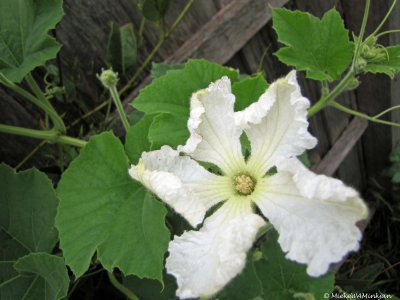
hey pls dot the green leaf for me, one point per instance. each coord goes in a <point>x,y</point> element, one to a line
<point>304,159</point>
<point>389,65</point>
<point>36,276</point>
<point>155,10</point>
<point>122,47</point>
<point>171,93</point>
<point>248,91</point>
<point>28,206</point>
<point>151,289</point>
<point>319,47</point>
<point>102,209</point>
<point>158,70</point>
<point>169,130</point>
<point>24,42</point>
<point>136,140</point>
<point>245,286</point>
<point>283,279</point>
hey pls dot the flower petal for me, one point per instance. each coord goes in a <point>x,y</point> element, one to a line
<point>180,182</point>
<point>204,261</point>
<point>214,137</point>
<point>315,215</point>
<point>277,124</point>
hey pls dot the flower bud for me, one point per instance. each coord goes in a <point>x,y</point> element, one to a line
<point>361,63</point>
<point>108,78</point>
<point>353,84</point>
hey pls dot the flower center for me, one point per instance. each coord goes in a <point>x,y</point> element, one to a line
<point>244,184</point>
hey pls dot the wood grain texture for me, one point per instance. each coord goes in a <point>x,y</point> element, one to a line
<point>336,155</point>
<point>218,40</point>
<point>227,31</point>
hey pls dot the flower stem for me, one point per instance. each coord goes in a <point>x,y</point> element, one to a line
<point>49,135</point>
<point>362,115</point>
<point>120,108</point>
<point>123,289</point>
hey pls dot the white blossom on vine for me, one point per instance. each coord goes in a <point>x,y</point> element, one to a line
<point>315,215</point>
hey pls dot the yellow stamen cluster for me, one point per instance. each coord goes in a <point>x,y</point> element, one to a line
<point>244,184</point>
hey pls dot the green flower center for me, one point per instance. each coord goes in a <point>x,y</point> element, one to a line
<point>244,184</point>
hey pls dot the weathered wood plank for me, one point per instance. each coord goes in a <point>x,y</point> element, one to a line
<point>227,31</point>
<point>332,160</point>
<point>373,95</point>
<point>218,40</point>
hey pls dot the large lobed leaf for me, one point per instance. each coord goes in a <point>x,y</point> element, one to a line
<point>286,280</point>
<point>319,47</point>
<point>248,90</point>
<point>36,276</point>
<point>245,286</point>
<point>24,40</point>
<point>168,99</point>
<point>102,209</point>
<point>136,140</point>
<point>28,207</point>
<point>171,93</point>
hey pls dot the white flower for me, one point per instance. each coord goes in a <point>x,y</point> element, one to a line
<point>314,215</point>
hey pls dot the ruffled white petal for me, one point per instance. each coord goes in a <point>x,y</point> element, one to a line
<point>214,137</point>
<point>315,215</point>
<point>277,124</point>
<point>180,182</point>
<point>204,261</point>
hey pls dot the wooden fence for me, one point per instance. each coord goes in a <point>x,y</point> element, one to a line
<point>235,33</point>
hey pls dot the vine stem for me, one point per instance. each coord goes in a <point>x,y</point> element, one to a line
<point>362,31</point>
<point>123,289</point>
<point>385,18</point>
<point>58,122</point>
<point>362,115</point>
<point>386,111</point>
<point>50,135</point>
<point>31,154</point>
<point>387,32</point>
<point>326,100</point>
